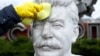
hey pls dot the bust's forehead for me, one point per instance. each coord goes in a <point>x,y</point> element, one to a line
<point>58,13</point>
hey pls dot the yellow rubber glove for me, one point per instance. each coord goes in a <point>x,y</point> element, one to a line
<point>33,10</point>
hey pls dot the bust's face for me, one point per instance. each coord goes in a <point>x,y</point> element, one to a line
<point>53,36</point>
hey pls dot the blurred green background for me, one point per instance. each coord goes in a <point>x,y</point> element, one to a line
<point>22,46</point>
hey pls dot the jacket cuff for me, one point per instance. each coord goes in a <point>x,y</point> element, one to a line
<point>9,13</point>
<point>8,18</point>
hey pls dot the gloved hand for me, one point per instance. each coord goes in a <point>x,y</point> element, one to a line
<point>33,10</point>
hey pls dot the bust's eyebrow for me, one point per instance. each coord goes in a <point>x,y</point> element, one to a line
<point>56,20</point>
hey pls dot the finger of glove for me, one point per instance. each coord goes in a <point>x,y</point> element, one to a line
<point>32,5</point>
<point>26,14</point>
<point>38,7</point>
<point>31,9</point>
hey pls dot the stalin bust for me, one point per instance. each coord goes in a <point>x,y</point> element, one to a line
<point>54,35</point>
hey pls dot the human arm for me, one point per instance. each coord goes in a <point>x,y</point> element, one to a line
<point>11,15</point>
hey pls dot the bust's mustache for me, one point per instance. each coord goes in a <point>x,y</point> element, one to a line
<point>51,43</point>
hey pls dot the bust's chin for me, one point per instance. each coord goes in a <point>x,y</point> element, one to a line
<point>48,52</point>
<point>54,54</point>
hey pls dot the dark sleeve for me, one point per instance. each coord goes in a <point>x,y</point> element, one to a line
<point>8,18</point>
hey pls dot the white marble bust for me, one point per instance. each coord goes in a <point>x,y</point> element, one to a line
<point>54,36</point>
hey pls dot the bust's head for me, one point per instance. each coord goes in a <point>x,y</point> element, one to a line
<point>54,36</point>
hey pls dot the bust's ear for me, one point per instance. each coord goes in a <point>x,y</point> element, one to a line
<point>76,33</point>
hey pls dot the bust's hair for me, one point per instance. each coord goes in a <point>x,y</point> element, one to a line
<point>56,2</point>
<point>70,6</point>
<point>72,11</point>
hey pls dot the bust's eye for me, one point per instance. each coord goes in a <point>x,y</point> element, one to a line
<point>57,24</point>
<point>37,24</point>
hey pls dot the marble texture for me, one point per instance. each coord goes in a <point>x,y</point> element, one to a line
<point>54,36</point>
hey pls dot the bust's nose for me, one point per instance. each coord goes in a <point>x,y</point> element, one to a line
<point>46,33</point>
